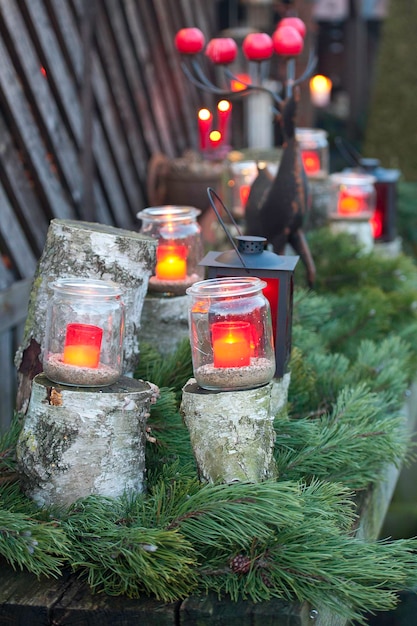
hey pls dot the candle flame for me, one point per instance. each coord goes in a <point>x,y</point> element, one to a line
<point>215,136</point>
<point>320,83</point>
<point>237,85</point>
<point>224,106</point>
<point>204,115</point>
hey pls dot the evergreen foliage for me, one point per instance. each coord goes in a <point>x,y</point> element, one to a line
<point>291,538</point>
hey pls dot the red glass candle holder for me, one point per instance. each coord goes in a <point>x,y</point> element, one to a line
<point>314,150</point>
<point>231,343</point>
<point>82,345</point>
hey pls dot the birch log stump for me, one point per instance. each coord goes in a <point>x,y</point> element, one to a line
<point>89,250</point>
<point>80,441</point>
<point>164,322</point>
<point>231,432</point>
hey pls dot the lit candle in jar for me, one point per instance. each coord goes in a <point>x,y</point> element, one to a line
<point>171,262</point>
<point>82,345</point>
<point>215,138</point>
<point>351,201</point>
<point>311,161</point>
<point>320,90</point>
<point>231,343</point>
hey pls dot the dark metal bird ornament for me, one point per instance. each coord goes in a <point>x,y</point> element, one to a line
<point>276,207</point>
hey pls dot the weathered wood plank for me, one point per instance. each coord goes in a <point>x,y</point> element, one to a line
<point>186,106</point>
<point>61,153</point>
<point>13,309</point>
<point>26,132</point>
<point>20,191</point>
<point>15,241</point>
<point>141,34</point>
<point>142,134</point>
<point>14,304</point>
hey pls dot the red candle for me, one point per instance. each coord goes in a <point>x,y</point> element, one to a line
<point>311,161</point>
<point>205,119</point>
<point>224,111</point>
<point>215,139</point>
<point>231,344</point>
<point>82,345</point>
<point>351,201</point>
<point>171,262</point>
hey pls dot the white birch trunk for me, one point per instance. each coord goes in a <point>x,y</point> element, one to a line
<point>164,322</point>
<point>231,433</point>
<point>88,250</point>
<point>76,442</point>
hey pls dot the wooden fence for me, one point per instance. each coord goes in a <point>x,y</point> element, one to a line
<point>89,91</point>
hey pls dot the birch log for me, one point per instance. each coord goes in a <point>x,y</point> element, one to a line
<point>80,441</point>
<point>232,433</point>
<point>164,322</point>
<point>89,250</point>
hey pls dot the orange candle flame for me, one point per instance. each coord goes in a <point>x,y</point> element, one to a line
<point>231,344</point>
<point>351,202</point>
<point>171,262</point>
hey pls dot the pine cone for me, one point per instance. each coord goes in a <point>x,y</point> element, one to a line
<point>240,564</point>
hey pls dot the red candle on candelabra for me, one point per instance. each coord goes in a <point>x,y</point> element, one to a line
<point>231,343</point>
<point>215,139</point>
<point>82,345</point>
<point>311,161</point>
<point>171,262</point>
<point>205,120</point>
<point>224,111</point>
<point>351,201</point>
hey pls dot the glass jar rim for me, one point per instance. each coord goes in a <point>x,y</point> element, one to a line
<point>87,288</point>
<point>352,178</point>
<point>226,287</point>
<point>311,132</point>
<point>168,212</point>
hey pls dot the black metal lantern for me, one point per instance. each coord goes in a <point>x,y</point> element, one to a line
<point>384,218</point>
<point>251,258</point>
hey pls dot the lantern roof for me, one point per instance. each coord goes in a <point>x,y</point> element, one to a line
<point>250,253</point>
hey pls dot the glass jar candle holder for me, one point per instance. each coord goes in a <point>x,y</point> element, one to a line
<point>84,333</point>
<point>314,149</point>
<point>179,250</point>
<point>231,334</point>
<point>239,181</point>
<point>352,196</point>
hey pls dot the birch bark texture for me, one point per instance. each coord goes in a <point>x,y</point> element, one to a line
<point>79,441</point>
<point>85,250</point>
<point>232,433</point>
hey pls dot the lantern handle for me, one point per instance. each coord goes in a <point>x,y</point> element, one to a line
<point>211,193</point>
<point>347,151</point>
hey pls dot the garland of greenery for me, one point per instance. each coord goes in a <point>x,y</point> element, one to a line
<point>353,359</point>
